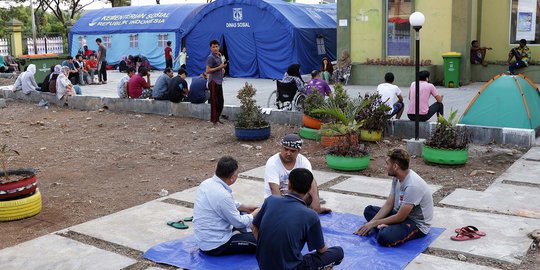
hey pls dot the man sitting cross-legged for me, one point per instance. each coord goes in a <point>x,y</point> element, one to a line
<point>284,225</point>
<point>278,167</point>
<point>216,215</point>
<point>408,210</point>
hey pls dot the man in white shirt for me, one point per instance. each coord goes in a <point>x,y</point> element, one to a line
<point>278,167</point>
<point>217,217</point>
<point>391,95</point>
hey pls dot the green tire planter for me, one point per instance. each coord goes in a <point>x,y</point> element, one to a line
<point>310,133</point>
<point>347,163</point>
<point>445,156</point>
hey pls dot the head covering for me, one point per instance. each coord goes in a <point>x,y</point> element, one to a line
<point>32,69</point>
<point>292,141</point>
<point>345,60</point>
<point>57,70</point>
<point>65,68</point>
<point>294,70</point>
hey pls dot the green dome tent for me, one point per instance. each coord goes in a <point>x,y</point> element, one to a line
<point>505,101</point>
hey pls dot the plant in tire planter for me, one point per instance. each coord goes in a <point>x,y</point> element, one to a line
<point>314,100</point>
<point>250,124</point>
<point>373,112</point>
<point>345,123</point>
<point>347,155</point>
<point>448,144</point>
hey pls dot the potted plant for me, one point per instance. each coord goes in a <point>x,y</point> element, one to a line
<point>312,120</point>
<point>347,155</point>
<point>373,113</point>
<point>250,124</point>
<point>344,125</point>
<point>448,144</point>
<point>19,196</point>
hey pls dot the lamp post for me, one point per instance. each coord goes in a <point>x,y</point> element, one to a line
<point>416,20</point>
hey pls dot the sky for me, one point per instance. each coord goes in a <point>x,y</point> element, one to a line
<point>98,5</point>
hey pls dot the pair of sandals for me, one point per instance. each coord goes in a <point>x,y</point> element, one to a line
<point>467,233</point>
<point>181,225</point>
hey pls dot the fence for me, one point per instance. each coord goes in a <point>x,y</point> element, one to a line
<point>46,45</point>
<point>4,47</point>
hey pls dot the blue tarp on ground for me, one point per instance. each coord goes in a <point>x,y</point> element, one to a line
<point>360,252</point>
<point>261,38</point>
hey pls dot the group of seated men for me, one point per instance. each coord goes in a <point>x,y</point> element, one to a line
<point>288,218</point>
<point>167,87</point>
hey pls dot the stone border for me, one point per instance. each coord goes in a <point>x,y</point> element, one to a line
<point>397,128</point>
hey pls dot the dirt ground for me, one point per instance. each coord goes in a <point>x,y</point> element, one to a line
<point>94,163</point>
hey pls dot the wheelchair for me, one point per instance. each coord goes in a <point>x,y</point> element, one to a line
<point>286,97</point>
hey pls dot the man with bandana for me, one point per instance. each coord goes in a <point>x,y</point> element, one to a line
<point>278,167</point>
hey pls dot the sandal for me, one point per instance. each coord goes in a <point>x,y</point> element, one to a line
<point>188,219</point>
<point>470,229</point>
<point>178,225</point>
<point>464,236</point>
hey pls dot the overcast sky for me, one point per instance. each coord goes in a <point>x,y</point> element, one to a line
<point>98,5</point>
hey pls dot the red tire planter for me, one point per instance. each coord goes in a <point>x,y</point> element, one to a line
<point>328,141</point>
<point>311,122</point>
<point>19,187</point>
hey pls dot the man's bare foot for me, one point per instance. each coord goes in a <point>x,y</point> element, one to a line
<point>323,210</point>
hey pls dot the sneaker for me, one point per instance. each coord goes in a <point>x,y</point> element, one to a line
<point>225,117</point>
<point>104,82</point>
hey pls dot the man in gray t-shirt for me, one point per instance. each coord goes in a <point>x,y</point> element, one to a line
<point>408,210</point>
<point>214,69</point>
<point>102,62</point>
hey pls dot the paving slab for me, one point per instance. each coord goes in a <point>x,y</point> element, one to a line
<point>139,227</point>
<point>502,198</point>
<point>522,170</point>
<point>425,261</point>
<point>59,253</point>
<point>533,154</point>
<point>369,185</point>
<point>506,238</point>
<point>321,176</point>
<point>348,203</point>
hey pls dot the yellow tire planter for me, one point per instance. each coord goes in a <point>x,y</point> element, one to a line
<point>370,135</point>
<point>20,208</point>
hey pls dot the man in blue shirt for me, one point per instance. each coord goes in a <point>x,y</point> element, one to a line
<point>198,90</point>
<point>162,85</point>
<point>73,71</point>
<point>285,224</point>
<point>216,215</point>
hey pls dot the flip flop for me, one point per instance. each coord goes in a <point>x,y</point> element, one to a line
<point>470,229</point>
<point>188,219</point>
<point>178,225</point>
<point>464,236</point>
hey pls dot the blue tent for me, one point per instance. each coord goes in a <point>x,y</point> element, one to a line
<point>260,38</point>
<point>133,30</point>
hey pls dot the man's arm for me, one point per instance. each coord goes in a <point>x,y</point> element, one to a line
<point>255,231</point>
<point>439,98</point>
<point>400,98</point>
<point>274,188</point>
<point>228,211</point>
<point>385,210</point>
<point>399,217</point>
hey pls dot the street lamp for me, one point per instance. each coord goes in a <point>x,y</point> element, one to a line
<point>416,20</point>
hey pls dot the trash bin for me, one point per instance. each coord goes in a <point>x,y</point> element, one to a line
<point>43,63</point>
<point>451,69</point>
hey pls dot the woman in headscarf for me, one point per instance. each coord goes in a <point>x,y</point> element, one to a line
<point>293,74</point>
<point>343,64</point>
<point>53,77</point>
<point>64,88</point>
<point>46,80</point>
<point>326,69</point>
<point>28,82</point>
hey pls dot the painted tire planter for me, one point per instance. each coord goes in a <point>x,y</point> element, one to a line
<point>252,134</point>
<point>328,141</point>
<point>370,135</point>
<point>309,133</point>
<point>445,156</point>
<point>19,188</point>
<point>311,122</point>
<point>20,208</point>
<point>347,163</point>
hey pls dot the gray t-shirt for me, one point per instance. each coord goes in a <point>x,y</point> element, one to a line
<point>414,190</point>
<point>214,61</point>
<point>103,51</point>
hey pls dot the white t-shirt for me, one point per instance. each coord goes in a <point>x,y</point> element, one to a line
<point>389,94</point>
<point>276,173</point>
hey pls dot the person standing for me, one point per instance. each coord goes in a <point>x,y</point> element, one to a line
<point>183,58</point>
<point>215,68</point>
<point>102,62</point>
<point>168,56</point>
<point>408,210</point>
<point>391,95</point>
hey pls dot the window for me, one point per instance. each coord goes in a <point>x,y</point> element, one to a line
<point>320,45</point>
<point>106,41</point>
<point>162,40</point>
<point>134,41</point>
<point>398,28</point>
<point>524,19</point>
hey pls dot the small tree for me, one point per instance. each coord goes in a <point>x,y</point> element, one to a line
<point>448,135</point>
<point>250,115</point>
<point>7,156</point>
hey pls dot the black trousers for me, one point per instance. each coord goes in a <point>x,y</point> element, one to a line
<point>102,71</point>
<point>435,108</point>
<point>168,63</point>
<point>395,234</point>
<point>216,101</point>
<point>315,261</point>
<point>239,243</point>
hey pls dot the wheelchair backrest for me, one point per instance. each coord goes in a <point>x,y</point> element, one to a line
<point>286,91</point>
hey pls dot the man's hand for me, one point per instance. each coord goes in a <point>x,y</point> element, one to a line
<point>322,210</point>
<point>255,212</point>
<point>364,230</point>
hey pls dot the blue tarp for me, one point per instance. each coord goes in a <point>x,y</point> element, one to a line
<point>261,38</point>
<point>360,252</point>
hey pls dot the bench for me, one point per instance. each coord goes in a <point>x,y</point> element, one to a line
<point>484,74</point>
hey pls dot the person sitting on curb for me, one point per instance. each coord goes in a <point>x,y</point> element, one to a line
<point>284,225</point>
<point>64,87</point>
<point>278,167</point>
<point>91,67</point>
<point>28,82</point>
<point>426,90</point>
<point>160,91</point>
<point>522,55</point>
<point>408,210</point>
<point>317,82</point>
<point>178,87</point>
<point>478,54</point>
<point>138,87</point>
<point>219,224</point>
<point>198,90</point>
<point>391,95</point>
<point>122,87</point>
<point>73,71</point>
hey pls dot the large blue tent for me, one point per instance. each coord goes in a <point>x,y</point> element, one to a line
<point>260,38</point>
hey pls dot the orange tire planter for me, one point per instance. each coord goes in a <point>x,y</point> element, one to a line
<point>311,122</point>
<point>328,141</point>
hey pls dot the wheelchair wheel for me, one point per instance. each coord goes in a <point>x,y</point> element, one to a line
<point>272,100</point>
<point>299,101</point>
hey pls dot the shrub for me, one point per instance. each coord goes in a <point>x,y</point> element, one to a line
<point>448,135</point>
<point>250,115</point>
<point>373,113</point>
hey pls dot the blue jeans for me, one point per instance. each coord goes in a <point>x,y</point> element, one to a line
<point>77,90</point>
<point>516,65</point>
<point>394,234</point>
